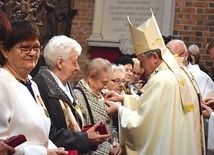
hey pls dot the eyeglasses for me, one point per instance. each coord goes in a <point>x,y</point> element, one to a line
<point>118,81</point>
<point>181,53</point>
<point>26,49</point>
<point>75,63</point>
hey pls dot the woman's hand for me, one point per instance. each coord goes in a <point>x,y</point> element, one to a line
<point>94,137</point>
<point>6,149</point>
<point>206,111</point>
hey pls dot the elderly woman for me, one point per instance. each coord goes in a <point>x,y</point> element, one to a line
<point>117,84</point>
<point>117,81</point>
<point>137,83</point>
<point>61,55</point>
<point>22,110</point>
<point>96,76</point>
<point>128,64</point>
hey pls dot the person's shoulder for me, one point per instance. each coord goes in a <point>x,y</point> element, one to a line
<point>164,76</point>
<point>6,77</point>
<point>203,68</point>
<point>194,67</point>
<point>2,73</point>
<point>203,74</point>
<point>40,75</point>
<point>197,72</point>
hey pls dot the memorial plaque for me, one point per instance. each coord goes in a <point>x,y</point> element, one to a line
<point>110,19</point>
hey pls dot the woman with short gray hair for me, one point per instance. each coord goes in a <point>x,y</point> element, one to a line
<point>96,76</point>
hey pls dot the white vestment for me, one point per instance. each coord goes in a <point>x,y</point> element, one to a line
<point>203,80</point>
<point>156,124</point>
<point>210,142</point>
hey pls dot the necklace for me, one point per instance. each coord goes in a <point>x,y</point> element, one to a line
<point>12,73</point>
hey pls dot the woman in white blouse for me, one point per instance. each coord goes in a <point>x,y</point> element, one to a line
<point>22,110</point>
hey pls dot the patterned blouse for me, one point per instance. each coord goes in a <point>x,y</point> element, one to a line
<point>98,108</point>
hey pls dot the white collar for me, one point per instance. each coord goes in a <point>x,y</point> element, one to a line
<point>65,88</point>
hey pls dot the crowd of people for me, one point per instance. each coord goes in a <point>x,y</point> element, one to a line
<point>158,103</point>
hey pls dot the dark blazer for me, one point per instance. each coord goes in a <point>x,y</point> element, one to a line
<point>59,134</point>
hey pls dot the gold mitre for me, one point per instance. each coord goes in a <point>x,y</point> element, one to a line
<point>147,36</point>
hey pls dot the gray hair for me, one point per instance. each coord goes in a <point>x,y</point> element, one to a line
<point>149,53</point>
<point>60,46</point>
<point>119,68</point>
<point>96,67</point>
<point>193,47</point>
<point>136,63</point>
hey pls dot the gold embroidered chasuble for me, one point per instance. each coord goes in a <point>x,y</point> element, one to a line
<point>157,123</point>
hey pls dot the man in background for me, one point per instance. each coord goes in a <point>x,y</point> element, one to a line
<point>203,80</point>
<point>194,52</point>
